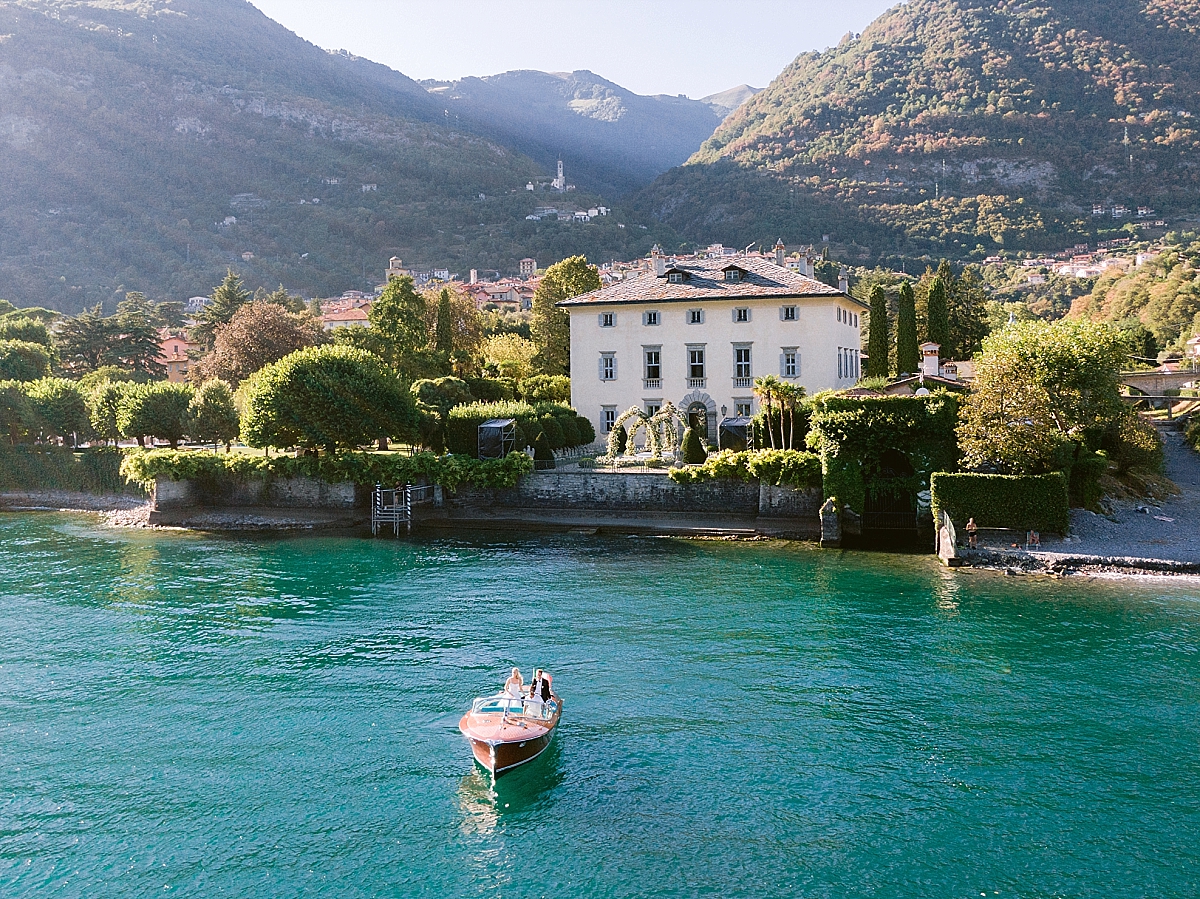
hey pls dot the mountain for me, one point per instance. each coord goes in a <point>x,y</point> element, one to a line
<point>726,102</point>
<point>960,128</point>
<point>133,131</point>
<point>610,140</point>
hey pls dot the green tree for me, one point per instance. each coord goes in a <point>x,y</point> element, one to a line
<point>766,389</point>
<point>1039,387</point>
<point>968,314</point>
<point>551,326</point>
<point>59,407</point>
<point>82,342</point>
<point>445,326</point>
<point>281,297</point>
<point>545,389</point>
<point>23,361</point>
<point>329,397</point>
<point>397,328</point>
<point>227,298</point>
<point>15,413</point>
<point>877,334</point>
<point>937,321</point>
<point>104,408</point>
<point>158,410</point>
<point>212,417</point>
<point>27,330</point>
<point>133,336</point>
<point>908,353</point>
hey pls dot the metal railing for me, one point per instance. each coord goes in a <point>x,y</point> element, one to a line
<point>391,505</point>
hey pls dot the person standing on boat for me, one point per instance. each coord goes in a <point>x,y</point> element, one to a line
<point>541,686</point>
<point>515,684</point>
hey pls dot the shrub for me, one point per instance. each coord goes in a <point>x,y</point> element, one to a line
<point>329,397</point>
<point>543,453</point>
<point>1193,433</point>
<point>779,468</point>
<point>693,450</point>
<point>622,442</point>
<point>366,469</point>
<point>492,390</point>
<point>587,433</point>
<point>1020,502</point>
<point>462,424</point>
<point>442,394</point>
<point>1135,443</point>
<point>21,360</point>
<point>1084,479</point>
<point>155,410</point>
<point>570,429</point>
<point>95,470</point>
<point>545,389</point>
<point>553,431</point>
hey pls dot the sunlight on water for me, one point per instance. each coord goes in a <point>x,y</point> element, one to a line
<point>200,716</point>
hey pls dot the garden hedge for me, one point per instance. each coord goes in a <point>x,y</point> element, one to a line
<point>462,425</point>
<point>1019,502</point>
<point>144,466</point>
<point>779,468</point>
<point>95,470</point>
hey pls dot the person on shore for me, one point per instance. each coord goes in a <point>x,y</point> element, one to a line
<point>515,685</point>
<point>972,534</point>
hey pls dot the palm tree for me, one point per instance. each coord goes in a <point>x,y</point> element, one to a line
<point>788,395</point>
<point>766,389</point>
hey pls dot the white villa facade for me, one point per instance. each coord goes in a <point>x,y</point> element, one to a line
<point>698,333</point>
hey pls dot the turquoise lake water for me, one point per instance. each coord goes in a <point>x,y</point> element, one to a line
<point>193,716</point>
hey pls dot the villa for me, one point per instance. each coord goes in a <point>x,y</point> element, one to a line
<point>698,332</point>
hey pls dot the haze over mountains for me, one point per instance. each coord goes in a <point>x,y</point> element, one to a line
<point>131,132</point>
<point>611,139</point>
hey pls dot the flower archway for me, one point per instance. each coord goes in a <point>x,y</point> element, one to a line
<point>662,431</point>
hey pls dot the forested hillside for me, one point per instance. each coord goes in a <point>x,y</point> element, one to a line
<point>958,127</point>
<point>130,131</point>
<point>610,139</point>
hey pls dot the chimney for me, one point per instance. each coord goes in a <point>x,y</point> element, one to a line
<point>660,264</point>
<point>780,252</point>
<point>844,280</point>
<point>930,363</point>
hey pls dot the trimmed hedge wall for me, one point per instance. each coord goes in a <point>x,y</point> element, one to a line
<point>143,466</point>
<point>94,470</point>
<point>462,425</point>
<point>779,468</point>
<point>1020,502</point>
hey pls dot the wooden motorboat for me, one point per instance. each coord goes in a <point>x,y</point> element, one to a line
<point>506,731</point>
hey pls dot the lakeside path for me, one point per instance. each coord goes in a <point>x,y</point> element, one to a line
<point>1165,531</point>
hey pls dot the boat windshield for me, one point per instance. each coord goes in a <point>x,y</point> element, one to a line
<point>525,708</point>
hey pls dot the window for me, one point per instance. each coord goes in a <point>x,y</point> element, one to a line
<point>789,366</point>
<point>610,417</point>
<point>855,317</point>
<point>741,315</point>
<point>839,314</point>
<point>696,363</point>
<point>695,316</point>
<point>608,366</point>
<point>653,356</point>
<point>787,313</point>
<point>650,318</point>
<point>733,274</point>
<point>675,277</point>
<point>608,319</point>
<point>743,408</point>
<point>653,407</point>
<point>841,362</point>
<point>741,362</point>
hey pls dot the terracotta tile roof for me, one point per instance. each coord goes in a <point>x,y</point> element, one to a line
<point>705,280</point>
<point>349,315</point>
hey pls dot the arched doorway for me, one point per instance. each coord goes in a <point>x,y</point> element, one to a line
<point>697,418</point>
<point>891,500</point>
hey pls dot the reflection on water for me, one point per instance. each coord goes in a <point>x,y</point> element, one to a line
<point>485,802</point>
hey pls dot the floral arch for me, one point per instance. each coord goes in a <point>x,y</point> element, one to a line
<point>662,431</point>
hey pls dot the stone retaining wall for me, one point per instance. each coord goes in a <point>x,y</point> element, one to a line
<point>275,493</point>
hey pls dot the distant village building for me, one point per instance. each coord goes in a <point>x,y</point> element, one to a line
<point>698,332</point>
<point>527,267</point>
<point>354,317</point>
<point>370,188</point>
<point>174,356</point>
<point>560,182</point>
<point>247,256</point>
<point>195,305</point>
<point>396,269</point>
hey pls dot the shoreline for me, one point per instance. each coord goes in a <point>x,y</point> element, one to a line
<point>134,512</point>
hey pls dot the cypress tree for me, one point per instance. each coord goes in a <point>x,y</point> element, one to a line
<point>907,352</point>
<point>937,328</point>
<point>877,334</point>
<point>444,339</point>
